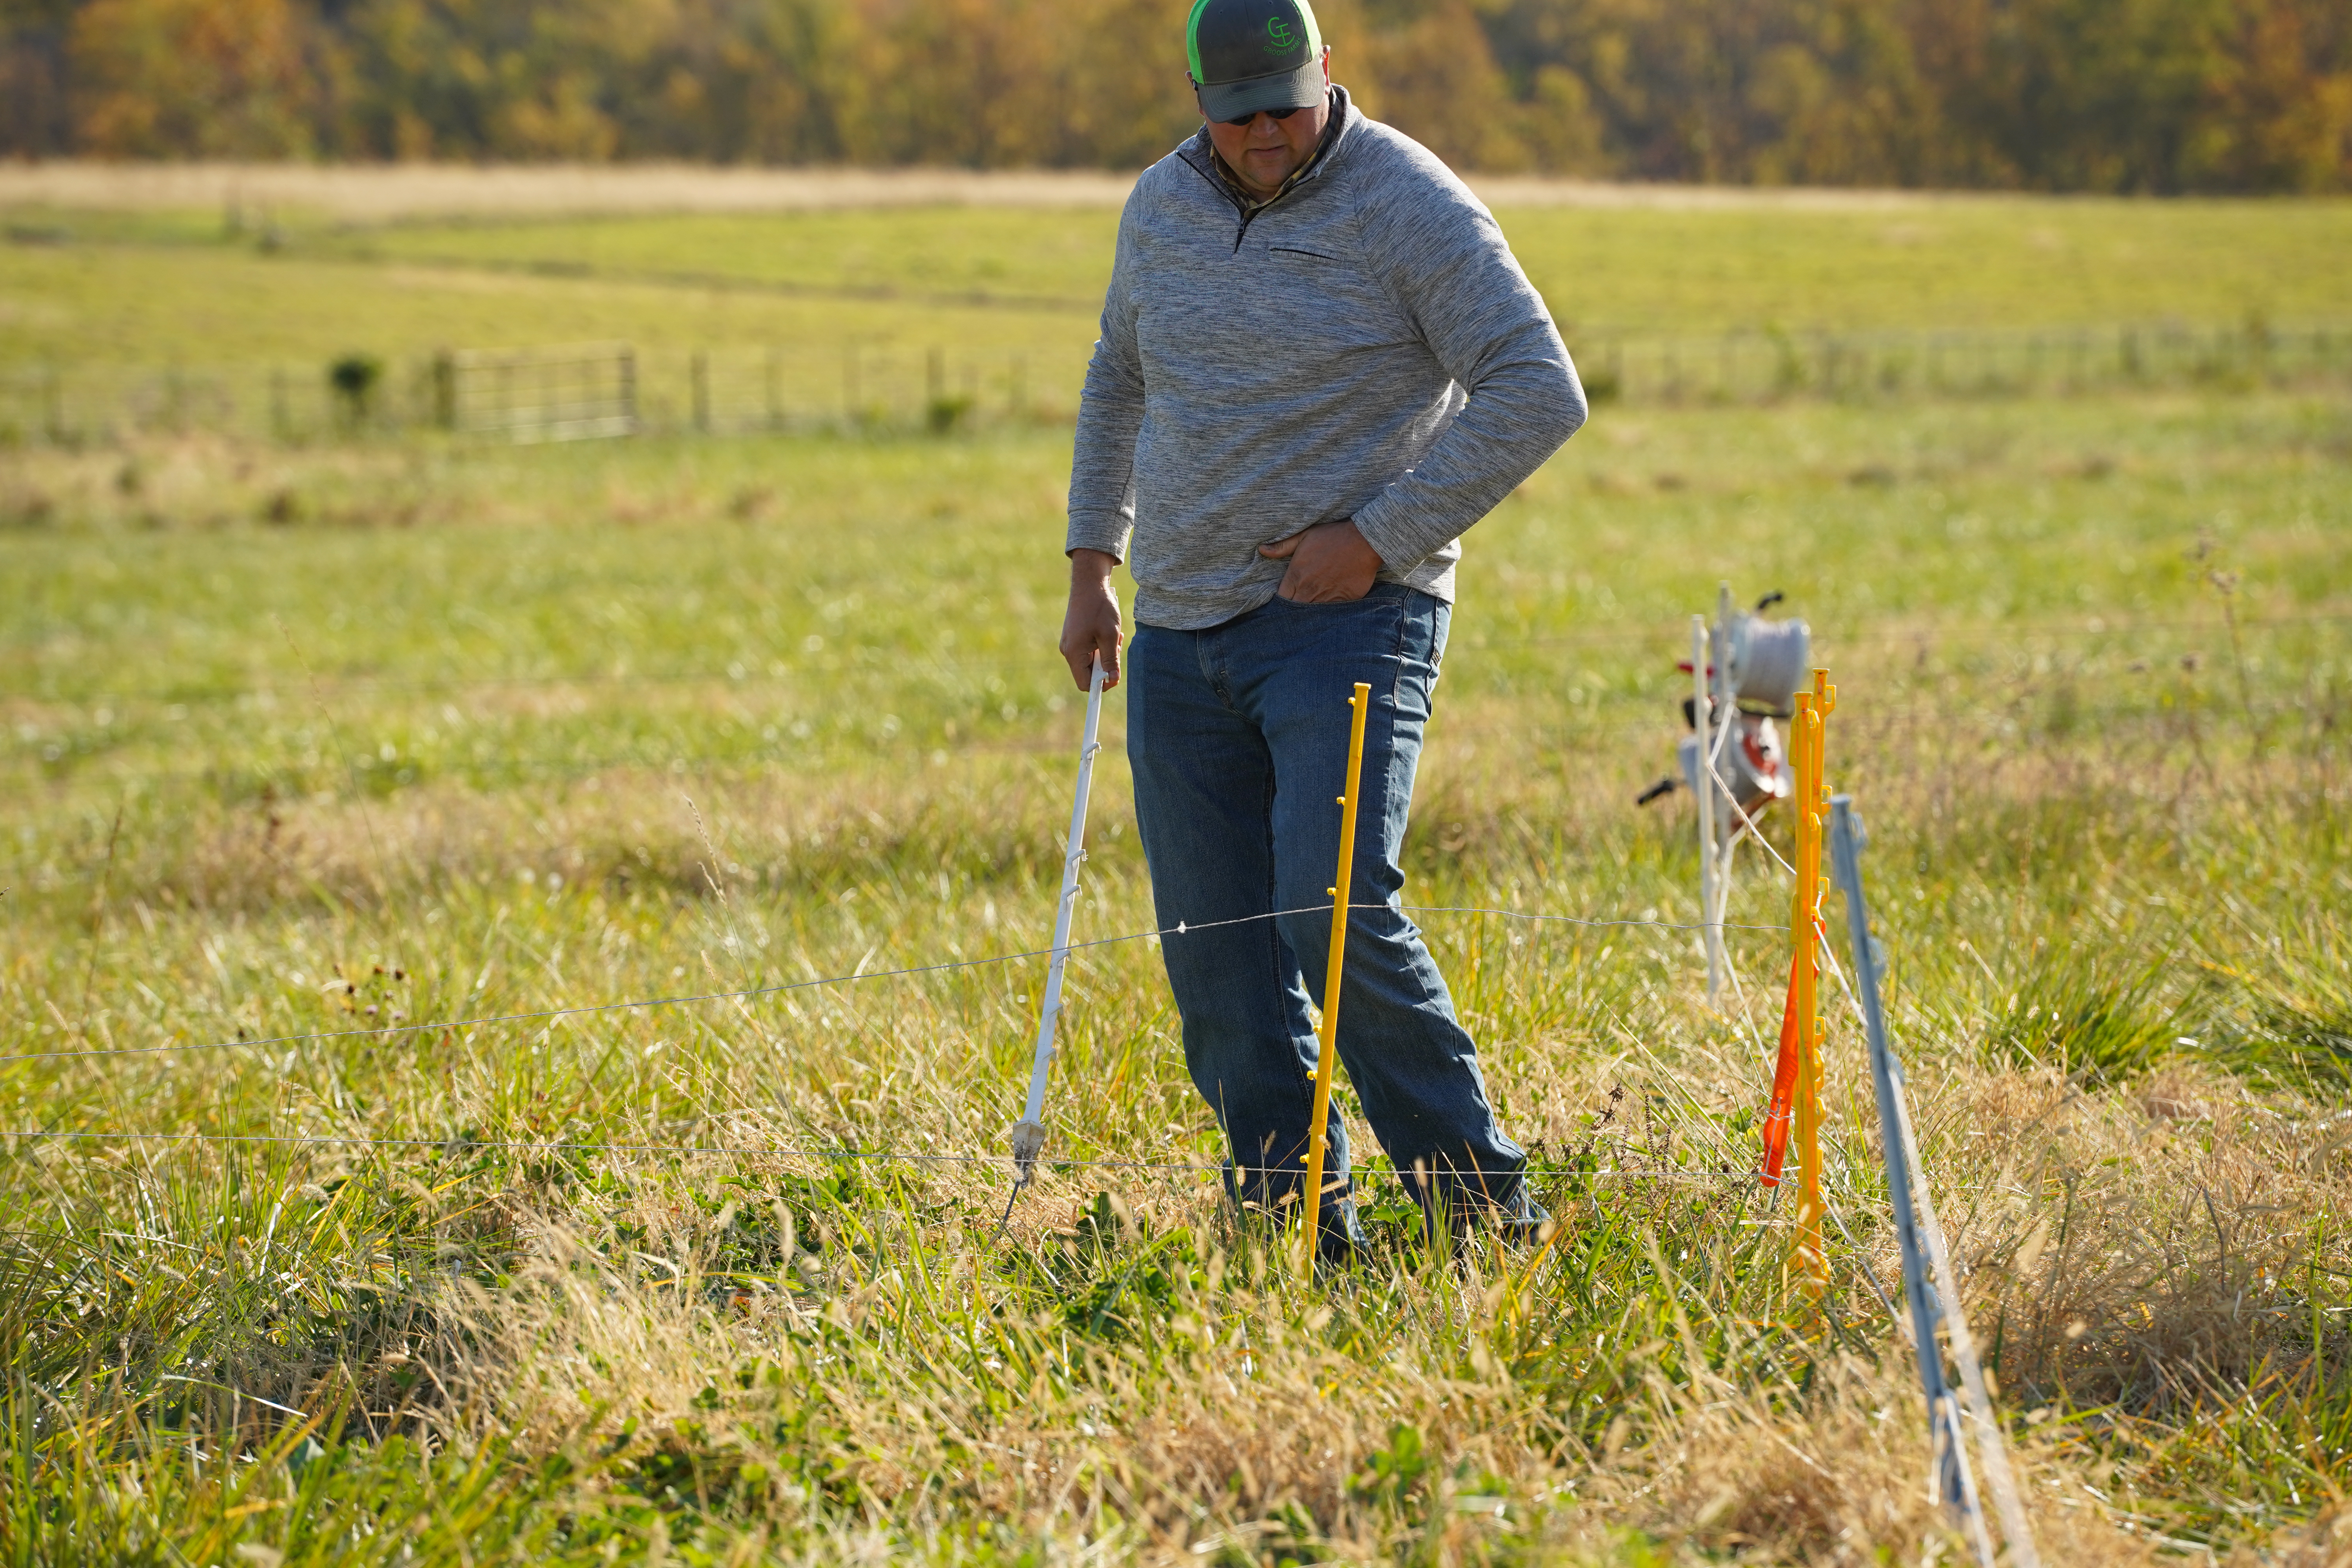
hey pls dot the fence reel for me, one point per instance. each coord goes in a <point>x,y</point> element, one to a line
<point>1759,665</point>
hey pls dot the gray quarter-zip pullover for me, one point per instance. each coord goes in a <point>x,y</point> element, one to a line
<point>1364,345</point>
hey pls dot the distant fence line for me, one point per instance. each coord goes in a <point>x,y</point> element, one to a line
<point>1759,367</point>
<point>563,392</point>
<point>612,389</point>
<point>547,394</point>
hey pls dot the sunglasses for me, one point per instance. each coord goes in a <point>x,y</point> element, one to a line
<point>1276,113</point>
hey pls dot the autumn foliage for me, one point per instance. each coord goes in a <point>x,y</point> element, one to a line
<point>2106,95</point>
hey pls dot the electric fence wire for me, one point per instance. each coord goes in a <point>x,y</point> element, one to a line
<point>1565,919</point>
<point>1746,827</point>
<point>464,1145</point>
<point>546,1014</point>
<point>1182,928</point>
<point>590,1009</point>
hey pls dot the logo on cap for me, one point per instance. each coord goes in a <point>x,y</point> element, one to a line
<point>1279,31</point>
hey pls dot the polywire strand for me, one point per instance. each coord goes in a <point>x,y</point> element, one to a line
<point>1555,920</point>
<point>1182,928</point>
<point>470,1145</point>
<point>1749,828</point>
<point>459,1146</point>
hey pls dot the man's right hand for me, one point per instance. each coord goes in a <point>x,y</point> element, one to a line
<point>1091,626</point>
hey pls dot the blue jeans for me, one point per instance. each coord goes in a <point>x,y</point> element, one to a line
<point>1238,738</point>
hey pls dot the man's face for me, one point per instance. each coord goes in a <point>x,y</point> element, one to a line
<point>1266,152</point>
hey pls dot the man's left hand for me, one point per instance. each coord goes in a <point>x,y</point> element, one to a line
<point>1329,563</point>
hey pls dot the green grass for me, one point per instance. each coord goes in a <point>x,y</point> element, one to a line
<point>1963,263</point>
<point>115,320</point>
<point>218,304</point>
<point>158,287</point>
<point>323,737</point>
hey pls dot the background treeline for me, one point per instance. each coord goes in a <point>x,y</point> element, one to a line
<point>2098,95</point>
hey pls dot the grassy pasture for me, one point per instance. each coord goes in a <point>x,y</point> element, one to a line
<point>154,285</point>
<point>1958,263</point>
<point>338,736</point>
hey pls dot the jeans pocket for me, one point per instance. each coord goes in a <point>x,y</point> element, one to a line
<point>1380,594</point>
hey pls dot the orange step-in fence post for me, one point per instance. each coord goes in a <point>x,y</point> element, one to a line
<point>1796,1104</point>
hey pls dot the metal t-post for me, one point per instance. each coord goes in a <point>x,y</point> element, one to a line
<point>1914,1224</point>
<point>1886,1072</point>
<point>1029,1132</point>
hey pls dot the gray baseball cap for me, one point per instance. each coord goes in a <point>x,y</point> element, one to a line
<point>1254,55</point>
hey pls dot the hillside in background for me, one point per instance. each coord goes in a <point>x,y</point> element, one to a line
<point>2153,96</point>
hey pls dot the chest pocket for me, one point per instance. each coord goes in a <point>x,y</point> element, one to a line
<point>1336,292</point>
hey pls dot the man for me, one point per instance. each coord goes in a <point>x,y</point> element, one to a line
<point>1319,364</point>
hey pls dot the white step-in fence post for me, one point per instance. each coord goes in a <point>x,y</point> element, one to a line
<point>1702,786</point>
<point>1727,813</point>
<point>1745,672</point>
<point>1029,1132</point>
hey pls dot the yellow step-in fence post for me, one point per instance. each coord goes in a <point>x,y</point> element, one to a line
<point>1326,1061</point>
<point>1813,799</point>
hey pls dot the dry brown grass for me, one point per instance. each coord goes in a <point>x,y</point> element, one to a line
<point>2127,1248</point>
<point>383,191</point>
<point>1234,1440</point>
<point>376,192</point>
<point>615,829</point>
